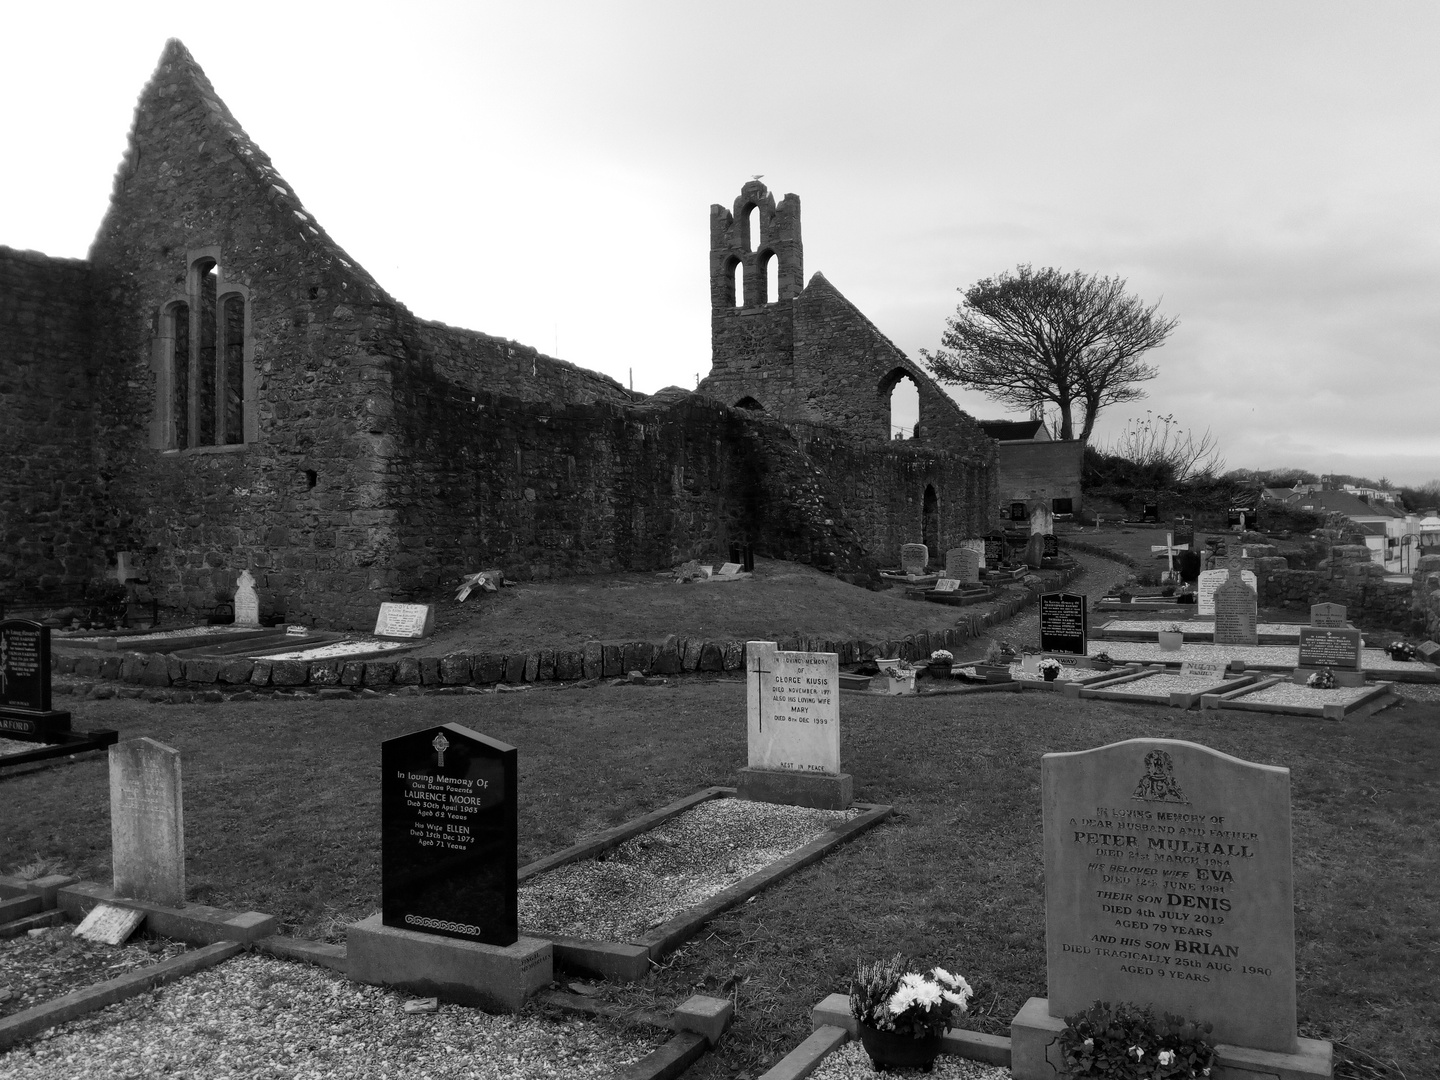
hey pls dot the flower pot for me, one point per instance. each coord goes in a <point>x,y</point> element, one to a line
<point>1171,640</point>
<point>940,670</point>
<point>1050,676</point>
<point>900,682</point>
<point>888,1049</point>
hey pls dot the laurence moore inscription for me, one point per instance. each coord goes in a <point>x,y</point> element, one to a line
<point>1168,882</point>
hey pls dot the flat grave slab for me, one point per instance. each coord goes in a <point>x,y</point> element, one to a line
<point>1374,662</point>
<point>673,883</point>
<point>16,751</point>
<point>1163,687</point>
<point>1286,697</point>
<point>149,641</point>
<point>1195,630</point>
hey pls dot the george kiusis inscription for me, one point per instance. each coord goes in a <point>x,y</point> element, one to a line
<point>449,829</point>
<point>1168,882</point>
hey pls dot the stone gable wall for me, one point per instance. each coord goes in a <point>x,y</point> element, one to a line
<point>52,516</point>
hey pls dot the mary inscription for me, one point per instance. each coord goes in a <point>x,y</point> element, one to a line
<point>1168,881</point>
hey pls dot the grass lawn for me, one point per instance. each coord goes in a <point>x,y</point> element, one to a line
<point>282,815</point>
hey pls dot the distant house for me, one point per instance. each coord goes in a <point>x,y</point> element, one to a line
<point>1383,526</point>
<point>1035,467</point>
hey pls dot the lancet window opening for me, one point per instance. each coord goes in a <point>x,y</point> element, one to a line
<point>203,362</point>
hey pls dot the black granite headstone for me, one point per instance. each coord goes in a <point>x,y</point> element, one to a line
<point>24,665</point>
<point>994,550</point>
<point>1151,513</point>
<point>1183,531</point>
<point>1018,512</point>
<point>1052,547</point>
<point>448,835</point>
<point>1063,623</point>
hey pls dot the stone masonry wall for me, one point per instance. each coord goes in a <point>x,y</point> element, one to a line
<point>1348,577</point>
<point>52,517</point>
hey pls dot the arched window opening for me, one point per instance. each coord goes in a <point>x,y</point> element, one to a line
<point>179,409</point>
<point>737,285</point>
<point>232,369</point>
<point>903,401</point>
<point>205,367</point>
<point>770,276</point>
<point>930,520</point>
<point>752,229</point>
<point>749,403</point>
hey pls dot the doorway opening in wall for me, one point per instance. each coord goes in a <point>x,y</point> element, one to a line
<point>903,400</point>
<point>930,520</point>
<point>749,403</point>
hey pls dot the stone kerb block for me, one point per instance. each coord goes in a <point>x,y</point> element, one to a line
<point>260,673</point>
<point>324,672</point>
<point>532,666</point>
<point>379,672</point>
<point>690,653</point>
<point>234,672</point>
<point>407,672</point>
<point>202,671</point>
<point>515,668</point>
<point>547,666</point>
<point>487,669</point>
<point>592,660</point>
<point>712,657</point>
<point>569,665</point>
<point>429,670</point>
<point>147,821</point>
<point>288,672</point>
<point>455,669</point>
<point>353,673</point>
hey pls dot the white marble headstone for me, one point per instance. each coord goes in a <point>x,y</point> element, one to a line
<point>247,602</point>
<point>913,558</point>
<point>792,709</point>
<point>1209,581</point>
<point>147,822</point>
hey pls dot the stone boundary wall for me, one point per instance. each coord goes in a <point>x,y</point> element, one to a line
<point>596,660</point>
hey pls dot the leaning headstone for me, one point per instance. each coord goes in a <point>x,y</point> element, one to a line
<point>449,824</point>
<point>1328,615</point>
<point>1042,521</point>
<point>246,602</point>
<point>108,924</point>
<point>1169,883</point>
<point>448,925</point>
<point>793,729</point>
<point>1063,623</point>
<point>1236,611</point>
<point>147,822</point>
<point>404,622</point>
<point>914,558</point>
<point>1330,646</point>
<point>1209,581</point>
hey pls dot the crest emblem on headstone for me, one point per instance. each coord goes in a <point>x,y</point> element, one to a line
<point>1158,784</point>
<point>441,744</point>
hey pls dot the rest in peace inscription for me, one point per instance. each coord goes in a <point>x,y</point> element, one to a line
<point>1168,882</point>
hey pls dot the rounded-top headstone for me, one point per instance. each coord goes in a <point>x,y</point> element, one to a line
<point>914,558</point>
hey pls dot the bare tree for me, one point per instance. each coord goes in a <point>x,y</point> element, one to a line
<point>1042,336</point>
<point>1158,445</point>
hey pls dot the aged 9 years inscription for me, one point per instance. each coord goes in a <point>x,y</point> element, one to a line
<point>1168,881</point>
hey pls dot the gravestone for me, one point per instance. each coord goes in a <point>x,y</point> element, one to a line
<point>947,584</point>
<point>913,558</point>
<point>730,569</point>
<point>1183,531</point>
<point>1328,615</point>
<point>1063,623</point>
<point>963,564</point>
<point>1151,513</point>
<point>25,711</point>
<point>449,834</point>
<point>994,551</point>
<point>147,822</point>
<point>793,729</point>
<point>1018,512</point>
<point>1205,669</point>
<point>1169,883</point>
<point>1050,546</point>
<point>246,602</point>
<point>449,831</point>
<point>1209,581</point>
<point>1236,610</point>
<point>1042,521</point>
<point>1330,646</point>
<point>1035,551</point>
<point>404,622</point>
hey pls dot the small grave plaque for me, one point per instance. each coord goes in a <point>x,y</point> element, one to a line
<point>449,831</point>
<point>147,822</point>
<point>108,924</point>
<point>913,558</point>
<point>947,584</point>
<point>1168,881</point>
<point>729,569</point>
<point>247,602</point>
<point>1063,623</point>
<point>793,709</point>
<point>1236,610</point>
<point>24,665</point>
<point>1205,669</point>
<point>1330,646</point>
<point>405,621</point>
<point>1328,615</point>
<point>1209,581</point>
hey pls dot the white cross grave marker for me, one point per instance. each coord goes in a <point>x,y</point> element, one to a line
<point>1169,548</point>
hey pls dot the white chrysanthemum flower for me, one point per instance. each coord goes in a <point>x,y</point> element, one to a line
<point>1137,1052</point>
<point>913,990</point>
<point>1166,1057</point>
<point>955,982</point>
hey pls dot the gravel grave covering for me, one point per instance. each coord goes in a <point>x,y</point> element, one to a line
<point>16,746</point>
<point>653,877</point>
<point>50,964</point>
<point>1288,693</point>
<point>1273,655</point>
<point>1196,626</point>
<point>338,648</point>
<point>850,1062</point>
<point>159,635</point>
<point>1164,683</point>
<point>255,1016</point>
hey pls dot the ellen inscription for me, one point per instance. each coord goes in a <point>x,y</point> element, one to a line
<point>1168,881</point>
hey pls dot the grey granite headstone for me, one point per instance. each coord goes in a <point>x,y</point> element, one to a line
<point>1236,609</point>
<point>1328,615</point>
<point>963,564</point>
<point>147,822</point>
<point>1169,882</point>
<point>913,558</point>
<point>246,603</point>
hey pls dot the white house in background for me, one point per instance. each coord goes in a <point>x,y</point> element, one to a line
<point>1383,525</point>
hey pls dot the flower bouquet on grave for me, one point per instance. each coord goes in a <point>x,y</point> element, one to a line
<point>1324,679</point>
<point>901,677</point>
<point>1401,650</point>
<point>1049,669</point>
<point>1102,661</point>
<point>941,661</point>
<point>902,1015</point>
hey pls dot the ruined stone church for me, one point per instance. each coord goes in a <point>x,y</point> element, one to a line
<point>219,387</point>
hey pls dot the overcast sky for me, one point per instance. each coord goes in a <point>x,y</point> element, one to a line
<point>544,172</point>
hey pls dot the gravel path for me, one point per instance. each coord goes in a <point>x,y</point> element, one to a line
<point>256,1017</point>
<point>657,875</point>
